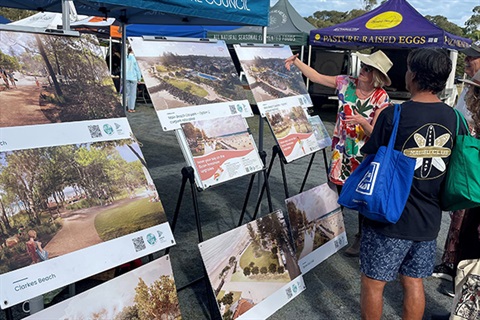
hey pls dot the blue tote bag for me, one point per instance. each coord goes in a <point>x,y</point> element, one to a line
<point>380,185</point>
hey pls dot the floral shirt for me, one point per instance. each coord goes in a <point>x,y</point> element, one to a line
<point>348,138</point>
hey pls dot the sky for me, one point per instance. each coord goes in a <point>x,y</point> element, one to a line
<point>158,48</point>
<point>456,11</point>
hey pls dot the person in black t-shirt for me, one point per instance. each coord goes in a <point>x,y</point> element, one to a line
<point>426,132</point>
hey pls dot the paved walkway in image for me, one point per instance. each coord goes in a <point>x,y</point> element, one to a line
<point>78,230</point>
<point>21,106</point>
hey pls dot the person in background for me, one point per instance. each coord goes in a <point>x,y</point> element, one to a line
<point>360,101</point>
<point>4,76</point>
<point>132,77</point>
<point>11,77</point>
<point>450,259</point>
<point>408,247</point>
<point>466,304</point>
<point>34,248</point>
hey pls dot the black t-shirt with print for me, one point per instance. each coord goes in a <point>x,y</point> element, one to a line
<point>425,130</point>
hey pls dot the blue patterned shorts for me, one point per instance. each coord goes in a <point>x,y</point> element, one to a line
<point>382,257</point>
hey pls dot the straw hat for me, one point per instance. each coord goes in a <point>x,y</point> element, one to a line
<point>475,79</point>
<point>379,61</point>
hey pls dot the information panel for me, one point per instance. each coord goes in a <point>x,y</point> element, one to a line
<point>76,195</point>
<point>253,269</point>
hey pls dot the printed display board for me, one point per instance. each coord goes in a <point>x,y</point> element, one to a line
<point>271,83</point>
<point>147,292</point>
<point>219,149</point>
<point>316,223</point>
<point>321,134</point>
<point>253,269</point>
<point>190,80</point>
<point>293,131</point>
<point>73,183</point>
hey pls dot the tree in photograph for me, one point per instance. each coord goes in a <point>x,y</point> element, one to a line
<point>228,298</point>
<point>255,270</point>
<point>298,219</point>
<point>264,227</point>
<point>232,261</point>
<point>15,14</point>
<point>473,24</point>
<point>264,243</point>
<point>227,315</point>
<point>79,84</point>
<point>128,313</point>
<point>50,70</point>
<point>280,269</point>
<point>274,252</point>
<point>157,301</point>
<point>4,210</point>
<point>246,271</point>
<point>270,227</point>
<point>9,62</point>
<point>21,177</point>
<point>252,234</point>
<point>224,272</point>
<point>263,270</point>
<point>272,268</point>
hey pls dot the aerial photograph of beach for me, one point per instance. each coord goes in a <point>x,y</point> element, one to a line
<point>315,219</point>
<point>184,74</point>
<point>266,73</point>
<point>249,263</point>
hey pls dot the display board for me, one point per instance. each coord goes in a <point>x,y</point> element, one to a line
<point>219,149</point>
<point>271,83</point>
<point>69,170</point>
<point>253,269</point>
<point>321,134</point>
<point>316,223</point>
<point>190,80</point>
<point>147,292</point>
<point>292,130</point>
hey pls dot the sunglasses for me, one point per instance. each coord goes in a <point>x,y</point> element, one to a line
<point>365,67</point>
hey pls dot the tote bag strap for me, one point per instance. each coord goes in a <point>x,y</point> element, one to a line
<point>396,121</point>
<point>460,116</point>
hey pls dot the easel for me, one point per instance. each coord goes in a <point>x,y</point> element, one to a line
<point>276,151</point>
<point>188,174</point>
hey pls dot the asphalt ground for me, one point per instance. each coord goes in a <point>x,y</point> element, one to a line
<point>332,287</point>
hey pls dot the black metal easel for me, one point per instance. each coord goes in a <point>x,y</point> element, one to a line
<point>310,166</point>
<point>265,186</point>
<point>8,314</point>
<point>188,174</point>
<point>276,151</point>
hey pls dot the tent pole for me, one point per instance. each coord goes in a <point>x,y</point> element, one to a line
<point>309,62</point>
<point>66,15</point>
<point>110,54</point>
<point>450,88</point>
<point>124,64</point>
<point>261,125</point>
